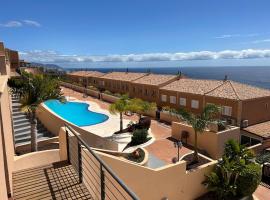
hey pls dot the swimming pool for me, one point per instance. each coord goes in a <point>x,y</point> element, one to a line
<point>76,112</point>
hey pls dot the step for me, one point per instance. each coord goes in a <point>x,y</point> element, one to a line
<point>20,121</point>
<point>22,130</point>
<point>19,116</point>
<point>15,126</point>
<point>28,142</point>
<point>18,113</point>
<point>26,138</point>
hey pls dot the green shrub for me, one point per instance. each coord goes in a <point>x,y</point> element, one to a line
<point>249,179</point>
<point>263,158</point>
<point>139,136</point>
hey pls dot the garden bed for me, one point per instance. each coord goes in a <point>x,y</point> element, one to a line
<point>189,159</point>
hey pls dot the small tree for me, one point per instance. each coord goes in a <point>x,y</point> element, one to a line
<point>139,106</point>
<point>235,174</point>
<point>120,106</point>
<point>35,90</point>
<point>198,122</point>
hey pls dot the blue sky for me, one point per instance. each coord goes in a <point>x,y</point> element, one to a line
<point>139,32</point>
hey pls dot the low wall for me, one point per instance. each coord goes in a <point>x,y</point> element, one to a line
<point>36,159</point>
<point>212,143</point>
<point>27,147</point>
<point>168,117</point>
<point>53,123</point>
<point>172,181</point>
<point>77,88</point>
<point>108,98</point>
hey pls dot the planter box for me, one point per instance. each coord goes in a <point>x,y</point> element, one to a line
<point>108,98</point>
<point>92,93</point>
<point>168,117</point>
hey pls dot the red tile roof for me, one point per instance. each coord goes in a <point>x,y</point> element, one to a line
<point>87,73</point>
<point>123,76</point>
<point>155,79</point>
<point>262,129</point>
<point>222,89</point>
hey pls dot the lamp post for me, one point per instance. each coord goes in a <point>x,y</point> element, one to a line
<point>178,144</point>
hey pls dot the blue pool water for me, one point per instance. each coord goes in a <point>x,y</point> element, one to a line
<point>76,112</point>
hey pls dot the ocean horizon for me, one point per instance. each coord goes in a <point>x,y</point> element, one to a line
<point>256,76</point>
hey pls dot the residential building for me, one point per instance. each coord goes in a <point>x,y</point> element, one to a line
<point>147,87</point>
<point>85,77</point>
<point>240,103</point>
<point>118,82</point>
<point>4,61</point>
<point>13,59</point>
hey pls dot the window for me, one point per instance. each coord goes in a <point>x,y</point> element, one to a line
<point>103,83</point>
<point>145,92</point>
<point>195,104</point>
<point>266,105</point>
<point>226,110</point>
<point>173,99</point>
<point>163,98</point>
<point>183,101</point>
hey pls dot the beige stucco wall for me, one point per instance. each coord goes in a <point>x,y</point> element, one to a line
<point>36,159</point>
<point>7,129</point>
<point>3,188</point>
<point>212,143</point>
<point>53,123</point>
<point>171,181</point>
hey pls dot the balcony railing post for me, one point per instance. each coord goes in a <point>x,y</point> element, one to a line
<point>102,182</point>
<point>80,161</point>
<point>67,142</point>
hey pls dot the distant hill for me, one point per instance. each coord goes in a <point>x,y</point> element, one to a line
<point>48,66</point>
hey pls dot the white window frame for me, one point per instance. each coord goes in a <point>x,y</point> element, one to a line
<point>182,101</point>
<point>194,104</point>
<point>226,110</point>
<point>164,98</point>
<point>173,99</point>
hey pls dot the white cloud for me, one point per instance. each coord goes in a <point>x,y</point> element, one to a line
<point>20,23</point>
<point>237,35</point>
<point>227,36</point>
<point>11,24</point>
<point>31,23</point>
<point>55,57</point>
<point>260,41</point>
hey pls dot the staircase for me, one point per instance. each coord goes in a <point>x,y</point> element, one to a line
<point>22,126</point>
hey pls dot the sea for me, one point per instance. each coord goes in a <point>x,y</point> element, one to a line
<point>256,76</point>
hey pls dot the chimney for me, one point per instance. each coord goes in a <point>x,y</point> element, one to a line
<point>225,78</point>
<point>179,74</point>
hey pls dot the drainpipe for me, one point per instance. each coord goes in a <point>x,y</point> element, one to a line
<point>239,113</point>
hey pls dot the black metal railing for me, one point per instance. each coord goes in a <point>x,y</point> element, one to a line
<point>97,176</point>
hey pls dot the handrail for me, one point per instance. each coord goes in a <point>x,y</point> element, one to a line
<point>103,164</point>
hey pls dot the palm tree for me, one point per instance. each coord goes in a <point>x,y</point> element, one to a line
<point>120,106</point>
<point>139,106</point>
<point>35,90</point>
<point>199,122</point>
